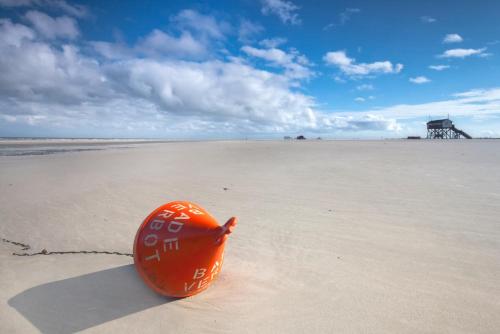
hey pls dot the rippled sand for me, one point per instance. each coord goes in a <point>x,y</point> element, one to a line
<point>333,236</point>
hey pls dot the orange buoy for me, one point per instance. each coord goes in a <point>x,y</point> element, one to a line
<point>179,248</point>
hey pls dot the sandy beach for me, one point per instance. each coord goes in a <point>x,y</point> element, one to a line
<point>388,236</point>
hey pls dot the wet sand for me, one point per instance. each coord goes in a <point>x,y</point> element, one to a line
<point>334,236</point>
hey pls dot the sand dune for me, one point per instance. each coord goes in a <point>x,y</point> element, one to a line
<point>333,236</point>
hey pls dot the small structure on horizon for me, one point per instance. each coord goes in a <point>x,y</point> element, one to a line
<point>301,137</point>
<point>444,129</point>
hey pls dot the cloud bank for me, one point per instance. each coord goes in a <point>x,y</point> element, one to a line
<point>180,81</point>
<point>163,85</point>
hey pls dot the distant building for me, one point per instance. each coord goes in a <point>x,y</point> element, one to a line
<point>444,129</point>
<point>301,137</point>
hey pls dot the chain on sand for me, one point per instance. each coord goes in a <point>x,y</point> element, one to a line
<point>26,247</point>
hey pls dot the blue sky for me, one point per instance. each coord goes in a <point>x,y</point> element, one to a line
<point>257,69</point>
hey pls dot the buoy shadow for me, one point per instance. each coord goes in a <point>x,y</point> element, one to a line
<point>85,301</point>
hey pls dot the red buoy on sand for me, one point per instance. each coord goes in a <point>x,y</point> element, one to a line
<point>179,249</point>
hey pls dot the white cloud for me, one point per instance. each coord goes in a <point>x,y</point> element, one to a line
<point>419,80</point>
<point>295,64</point>
<point>485,55</point>
<point>35,72</point>
<point>466,104</point>
<point>204,25</point>
<point>13,34</point>
<point>276,56</point>
<point>225,91</point>
<point>273,42</point>
<point>365,87</point>
<point>70,9</point>
<point>189,35</point>
<point>339,79</point>
<point>452,38</point>
<point>439,67</point>
<point>427,19</point>
<point>159,43</point>
<point>63,27</point>
<point>361,99</point>
<point>285,10</point>
<point>347,13</point>
<point>344,17</point>
<point>113,51</point>
<point>473,93</point>
<point>248,30</point>
<point>462,53</point>
<point>350,68</point>
<point>357,121</point>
